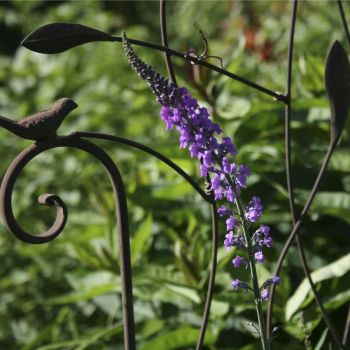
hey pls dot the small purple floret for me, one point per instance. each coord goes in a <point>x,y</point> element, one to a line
<point>238,261</point>
<point>254,210</point>
<point>259,257</point>
<point>265,295</point>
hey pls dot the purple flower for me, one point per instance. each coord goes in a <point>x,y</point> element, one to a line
<point>197,133</point>
<point>259,257</point>
<point>195,150</point>
<point>216,181</point>
<point>265,295</point>
<point>227,167</point>
<point>230,195</point>
<point>223,211</point>
<point>229,240</point>
<point>166,114</point>
<point>244,170</point>
<point>236,284</point>
<point>264,229</point>
<point>275,280</point>
<point>231,223</point>
<point>208,158</point>
<point>238,261</point>
<point>262,237</point>
<point>232,240</point>
<point>254,210</point>
<point>227,146</point>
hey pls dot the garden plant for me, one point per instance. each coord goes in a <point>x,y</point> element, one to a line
<point>206,254</point>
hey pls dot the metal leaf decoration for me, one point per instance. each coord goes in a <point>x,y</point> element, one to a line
<point>337,82</point>
<point>59,37</point>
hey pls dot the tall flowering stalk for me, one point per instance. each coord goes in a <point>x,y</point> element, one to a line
<point>198,133</point>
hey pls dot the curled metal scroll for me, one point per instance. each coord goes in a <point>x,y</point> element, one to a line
<point>78,141</point>
<point>61,214</point>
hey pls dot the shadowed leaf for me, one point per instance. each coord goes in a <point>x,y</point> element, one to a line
<point>59,37</point>
<point>337,82</point>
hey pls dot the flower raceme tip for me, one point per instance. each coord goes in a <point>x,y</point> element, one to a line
<point>202,137</point>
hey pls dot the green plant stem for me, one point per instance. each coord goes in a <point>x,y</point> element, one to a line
<point>258,302</point>
<point>257,297</point>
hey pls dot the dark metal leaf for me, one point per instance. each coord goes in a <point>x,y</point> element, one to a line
<point>59,37</point>
<point>337,82</point>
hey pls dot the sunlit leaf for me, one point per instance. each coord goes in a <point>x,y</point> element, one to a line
<point>183,337</point>
<point>334,270</point>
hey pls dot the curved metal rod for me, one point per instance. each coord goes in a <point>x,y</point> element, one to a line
<point>164,37</point>
<point>343,19</point>
<point>290,187</point>
<point>347,34</point>
<point>212,276</point>
<point>134,144</point>
<point>306,208</point>
<point>121,214</point>
<point>276,95</point>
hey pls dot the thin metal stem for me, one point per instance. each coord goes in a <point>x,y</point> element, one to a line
<point>164,37</point>
<point>347,34</point>
<point>214,252</point>
<point>323,311</point>
<point>287,138</point>
<point>343,18</point>
<point>290,187</point>
<point>121,212</point>
<point>171,52</point>
<point>134,144</point>
<point>304,211</point>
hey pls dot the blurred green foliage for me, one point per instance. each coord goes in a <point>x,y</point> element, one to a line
<point>66,294</point>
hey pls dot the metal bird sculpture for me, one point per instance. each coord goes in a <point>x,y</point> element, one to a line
<point>41,125</point>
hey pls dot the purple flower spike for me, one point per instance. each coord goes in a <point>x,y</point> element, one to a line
<point>227,179</point>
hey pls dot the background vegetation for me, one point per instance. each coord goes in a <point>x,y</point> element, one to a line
<point>66,295</point>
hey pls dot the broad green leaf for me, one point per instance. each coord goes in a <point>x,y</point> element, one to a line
<point>334,270</point>
<point>151,327</point>
<point>183,337</point>
<point>140,241</point>
<point>186,292</point>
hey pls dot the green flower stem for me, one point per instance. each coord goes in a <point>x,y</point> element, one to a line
<point>258,302</point>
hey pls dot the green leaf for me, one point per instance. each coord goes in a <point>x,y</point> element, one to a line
<point>189,293</point>
<point>141,240</point>
<point>184,336</point>
<point>322,340</point>
<point>334,270</point>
